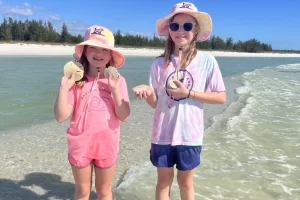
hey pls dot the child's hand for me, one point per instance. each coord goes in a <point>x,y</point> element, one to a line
<point>180,92</point>
<point>142,91</point>
<point>67,82</point>
<point>113,83</point>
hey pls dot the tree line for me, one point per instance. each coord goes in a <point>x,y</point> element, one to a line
<point>213,43</point>
<point>39,31</point>
<point>35,31</point>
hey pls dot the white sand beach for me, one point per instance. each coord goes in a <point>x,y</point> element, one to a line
<point>23,49</point>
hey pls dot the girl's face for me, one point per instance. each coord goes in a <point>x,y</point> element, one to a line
<point>97,56</point>
<point>183,29</point>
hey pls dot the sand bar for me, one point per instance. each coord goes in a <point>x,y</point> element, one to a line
<point>22,49</point>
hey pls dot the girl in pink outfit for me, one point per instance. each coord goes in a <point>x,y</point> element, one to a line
<point>97,105</point>
<point>181,80</point>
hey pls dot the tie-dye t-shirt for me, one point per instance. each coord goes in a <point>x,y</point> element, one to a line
<point>180,121</point>
<point>94,130</point>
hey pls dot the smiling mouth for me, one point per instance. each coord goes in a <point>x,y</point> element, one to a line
<point>181,37</point>
<point>98,59</point>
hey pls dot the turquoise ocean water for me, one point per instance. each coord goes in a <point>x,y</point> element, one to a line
<point>250,151</point>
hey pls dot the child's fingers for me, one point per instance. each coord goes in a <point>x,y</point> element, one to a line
<point>170,91</point>
<point>145,95</point>
<point>178,83</point>
<point>135,89</point>
<point>140,92</point>
<point>139,87</point>
<point>136,94</point>
<point>141,95</point>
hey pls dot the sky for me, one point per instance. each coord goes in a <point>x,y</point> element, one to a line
<point>273,22</point>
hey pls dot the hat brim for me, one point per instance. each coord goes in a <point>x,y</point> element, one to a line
<point>203,19</point>
<point>117,56</point>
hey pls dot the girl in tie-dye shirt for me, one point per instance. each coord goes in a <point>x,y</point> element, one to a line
<point>181,80</point>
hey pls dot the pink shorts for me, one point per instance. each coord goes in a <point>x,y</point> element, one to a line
<point>84,162</point>
<point>98,149</point>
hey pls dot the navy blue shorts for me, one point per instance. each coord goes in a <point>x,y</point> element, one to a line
<point>185,157</point>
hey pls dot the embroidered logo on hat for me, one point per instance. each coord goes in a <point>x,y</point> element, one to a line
<point>98,32</point>
<point>186,5</point>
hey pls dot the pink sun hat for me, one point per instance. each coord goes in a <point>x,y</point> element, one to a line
<point>203,19</point>
<point>100,36</point>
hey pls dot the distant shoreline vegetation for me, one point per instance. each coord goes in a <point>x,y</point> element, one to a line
<point>39,32</point>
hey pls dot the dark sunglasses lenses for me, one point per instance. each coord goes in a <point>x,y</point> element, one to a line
<point>174,26</point>
<point>186,26</point>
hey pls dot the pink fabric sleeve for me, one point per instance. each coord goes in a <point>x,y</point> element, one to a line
<point>71,96</point>
<point>215,81</point>
<point>152,77</point>
<point>124,90</point>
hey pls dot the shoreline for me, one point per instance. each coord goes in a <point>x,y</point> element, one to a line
<point>23,49</point>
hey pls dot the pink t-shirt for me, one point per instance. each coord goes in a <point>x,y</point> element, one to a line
<point>94,130</point>
<point>180,121</point>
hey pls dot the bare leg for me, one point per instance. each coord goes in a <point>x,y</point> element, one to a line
<point>186,185</point>
<point>103,181</point>
<point>164,182</point>
<point>82,178</point>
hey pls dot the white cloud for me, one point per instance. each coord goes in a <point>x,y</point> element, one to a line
<point>24,9</point>
<point>19,11</point>
<point>26,4</point>
<point>55,17</point>
<point>37,7</point>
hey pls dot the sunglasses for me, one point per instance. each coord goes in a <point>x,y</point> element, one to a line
<point>174,26</point>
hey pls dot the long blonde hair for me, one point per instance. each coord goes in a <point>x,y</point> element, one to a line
<point>187,56</point>
<point>85,63</point>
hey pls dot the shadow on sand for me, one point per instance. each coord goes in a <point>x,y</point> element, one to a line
<point>51,187</point>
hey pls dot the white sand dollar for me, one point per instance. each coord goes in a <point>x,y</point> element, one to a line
<point>177,76</point>
<point>172,85</point>
<point>76,67</point>
<point>111,70</point>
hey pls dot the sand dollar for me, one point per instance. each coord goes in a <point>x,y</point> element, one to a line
<point>172,85</point>
<point>177,76</point>
<point>76,67</point>
<point>111,70</point>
